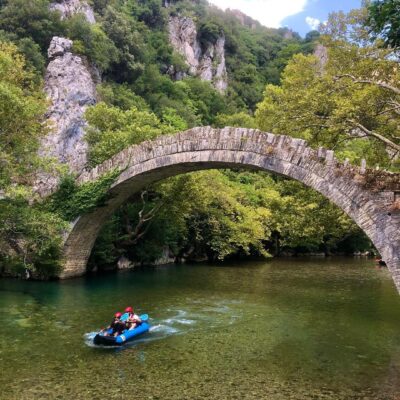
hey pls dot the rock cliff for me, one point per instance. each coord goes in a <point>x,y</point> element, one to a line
<point>70,88</point>
<point>207,63</point>
<point>67,8</point>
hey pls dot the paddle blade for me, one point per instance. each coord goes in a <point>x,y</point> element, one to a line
<point>144,317</point>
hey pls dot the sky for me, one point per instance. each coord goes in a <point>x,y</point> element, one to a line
<point>301,16</point>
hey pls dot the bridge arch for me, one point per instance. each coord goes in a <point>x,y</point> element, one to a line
<point>207,148</point>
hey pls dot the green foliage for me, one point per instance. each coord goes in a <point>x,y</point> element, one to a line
<point>255,55</point>
<point>195,101</point>
<point>173,121</point>
<point>112,130</point>
<point>71,200</point>
<point>340,105</point>
<point>121,96</point>
<point>90,40</point>
<point>307,221</point>
<point>33,19</point>
<point>209,32</point>
<point>128,37</point>
<point>384,21</point>
<point>105,252</point>
<point>149,11</point>
<point>202,213</point>
<point>240,120</point>
<point>21,108</point>
<point>30,239</point>
<point>34,59</point>
<point>217,215</point>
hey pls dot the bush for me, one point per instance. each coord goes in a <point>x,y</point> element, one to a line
<point>70,201</point>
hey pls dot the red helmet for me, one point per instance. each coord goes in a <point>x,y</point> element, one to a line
<point>118,315</point>
<point>129,309</point>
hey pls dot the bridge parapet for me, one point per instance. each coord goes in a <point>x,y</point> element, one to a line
<point>285,147</point>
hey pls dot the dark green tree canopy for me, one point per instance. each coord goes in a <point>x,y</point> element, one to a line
<point>384,21</point>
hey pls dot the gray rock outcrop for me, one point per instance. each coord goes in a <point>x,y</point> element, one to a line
<point>207,63</point>
<point>67,8</point>
<point>321,52</point>
<point>70,89</point>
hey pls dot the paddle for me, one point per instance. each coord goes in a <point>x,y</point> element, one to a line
<point>144,317</point>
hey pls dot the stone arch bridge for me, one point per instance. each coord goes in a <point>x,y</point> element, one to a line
<point>376,211</point>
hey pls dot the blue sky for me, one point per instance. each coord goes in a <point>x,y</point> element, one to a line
<point>299,15</point>
<point>317,11</point>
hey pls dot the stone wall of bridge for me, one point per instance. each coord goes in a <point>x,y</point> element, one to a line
<point>206,148</point>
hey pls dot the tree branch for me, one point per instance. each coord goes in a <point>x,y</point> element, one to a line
<point>134,234</point>
<point>376,135</point>
<point>371,82</point>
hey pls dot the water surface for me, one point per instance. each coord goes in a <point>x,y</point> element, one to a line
<point>287,329</point>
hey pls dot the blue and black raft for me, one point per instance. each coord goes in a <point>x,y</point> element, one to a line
<point>125,336</point>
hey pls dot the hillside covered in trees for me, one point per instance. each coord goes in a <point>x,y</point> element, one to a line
<point>150,79</point>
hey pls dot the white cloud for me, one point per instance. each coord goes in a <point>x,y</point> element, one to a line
<point>313,23</point>
<point>269,12</point>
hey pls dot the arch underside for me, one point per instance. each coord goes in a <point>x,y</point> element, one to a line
<point>368,210</point>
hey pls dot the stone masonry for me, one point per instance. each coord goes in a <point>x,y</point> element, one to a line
<point>374,211</point>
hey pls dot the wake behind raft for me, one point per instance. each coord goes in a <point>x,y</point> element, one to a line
<point>126,336</point>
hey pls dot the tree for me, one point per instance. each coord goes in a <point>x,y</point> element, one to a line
<point>128,37</point>
<point>384,21</point>
<point>90,40</point>
<point>240,120</point>
<point>31,18</point>
<point>351,104</point>
<point>205,214</point>
<point>29,238</point>
<point>121,96</point>
<point>307,221</point>
<point>34,59</point>
<point>22,106</point>
<point>112,130</point>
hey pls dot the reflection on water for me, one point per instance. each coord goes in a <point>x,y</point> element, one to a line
<point>294,329</point>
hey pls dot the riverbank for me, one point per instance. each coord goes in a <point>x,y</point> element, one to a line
<point>124,264</point>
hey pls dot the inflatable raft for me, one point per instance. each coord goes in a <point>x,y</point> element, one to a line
<point>126,335</point>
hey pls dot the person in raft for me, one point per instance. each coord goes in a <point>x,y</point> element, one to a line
<point>116,324</point>
<point>133,319</point>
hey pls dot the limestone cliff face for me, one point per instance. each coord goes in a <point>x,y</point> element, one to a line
<point>70,86</point>
<point>67,8</point>
<point>70,89</point>
<point>207,63</point>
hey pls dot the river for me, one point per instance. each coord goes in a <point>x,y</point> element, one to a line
<point>285,329</point>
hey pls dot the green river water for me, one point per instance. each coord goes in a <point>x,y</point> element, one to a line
<point>286,329</point>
